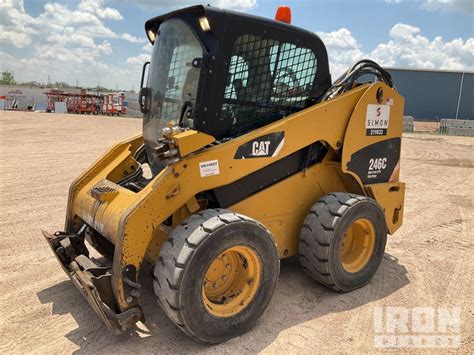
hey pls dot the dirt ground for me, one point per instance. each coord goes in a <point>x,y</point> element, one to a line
<point>428,262</point>
<point>426,126</point>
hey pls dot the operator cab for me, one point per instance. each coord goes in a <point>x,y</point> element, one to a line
<point>224,73</point>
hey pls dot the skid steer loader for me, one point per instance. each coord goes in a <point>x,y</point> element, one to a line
<point>249,154</point>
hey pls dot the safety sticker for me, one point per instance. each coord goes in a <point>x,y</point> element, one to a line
<point>377,120</point>
<point>209,168</point>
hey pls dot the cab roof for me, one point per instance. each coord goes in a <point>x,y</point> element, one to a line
<point>218,18</point>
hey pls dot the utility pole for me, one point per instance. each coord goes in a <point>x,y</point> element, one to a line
<point>77,83</point>
<point>459,95</point>
<point>49,80</point>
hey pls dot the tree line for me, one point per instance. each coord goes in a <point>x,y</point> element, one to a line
<point>7,77</point>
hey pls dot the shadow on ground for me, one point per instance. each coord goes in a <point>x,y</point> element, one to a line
<point>297,299</point>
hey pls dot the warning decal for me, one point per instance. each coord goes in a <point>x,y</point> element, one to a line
<point>209,168</point>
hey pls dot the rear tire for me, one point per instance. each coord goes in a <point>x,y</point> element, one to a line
<point>216,274</point>
<point>342,241</point>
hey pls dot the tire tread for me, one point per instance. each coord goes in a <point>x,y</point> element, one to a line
<point>176,253</point>
<point>316,234</point>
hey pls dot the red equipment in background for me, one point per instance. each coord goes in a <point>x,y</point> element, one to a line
<point>114,104</point>
<point>80,103</point>
<point>55,96</point>
<point>85,103</point>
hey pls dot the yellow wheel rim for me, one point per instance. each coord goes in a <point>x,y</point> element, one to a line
<point>231,281</point>
<point>358,245</point>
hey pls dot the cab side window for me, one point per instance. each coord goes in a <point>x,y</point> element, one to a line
<point>237,78</point>
<point>267,80</point>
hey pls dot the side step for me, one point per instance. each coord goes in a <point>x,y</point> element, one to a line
<point>92,280</point>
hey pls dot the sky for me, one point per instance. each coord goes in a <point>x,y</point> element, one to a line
<point>103,41</point>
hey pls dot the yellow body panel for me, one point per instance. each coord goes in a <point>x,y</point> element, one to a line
<point>133,221</point>
<point>190,141</point>
<point>113,164</point>
<point>283,207</point>
<point>390,196</point>
<point>356,139</point>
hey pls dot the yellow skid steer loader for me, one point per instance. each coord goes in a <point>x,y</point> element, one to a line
<point>249,154</point>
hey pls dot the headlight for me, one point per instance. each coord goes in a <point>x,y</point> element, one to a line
<point>204,23</point>
<point>151,35</point>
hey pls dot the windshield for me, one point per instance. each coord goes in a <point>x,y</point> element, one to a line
<point>172,79</point>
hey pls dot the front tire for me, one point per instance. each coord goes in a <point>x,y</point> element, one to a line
<point>342,241</point>
<point>216,274</point>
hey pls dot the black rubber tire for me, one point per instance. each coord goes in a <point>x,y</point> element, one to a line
<point>323,231</point>
<point>185,258</point>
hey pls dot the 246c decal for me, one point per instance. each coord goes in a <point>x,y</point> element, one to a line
<point>376,166</point>
<point>376,163</point>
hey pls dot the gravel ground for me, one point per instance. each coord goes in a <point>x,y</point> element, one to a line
<point>428,263</point>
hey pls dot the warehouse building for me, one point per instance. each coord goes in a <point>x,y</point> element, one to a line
<point>435,94</point>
